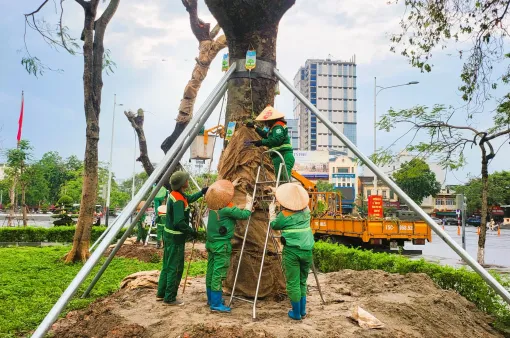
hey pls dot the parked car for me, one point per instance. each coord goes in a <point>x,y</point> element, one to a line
<point>437,220</point>
<point>474,221</point>
<point>451,221</point>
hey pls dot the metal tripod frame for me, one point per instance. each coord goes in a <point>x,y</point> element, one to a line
<point>437,229</point>
<point>171,160</point>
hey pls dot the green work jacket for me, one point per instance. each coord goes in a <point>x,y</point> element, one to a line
<point>277,138</point>
<point>221,225</point>
<point>177,227</point>
<point>161,219</point>
<point>295,227</point>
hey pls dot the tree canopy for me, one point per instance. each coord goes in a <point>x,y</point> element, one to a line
<point>417,180</point>
<point>498,191</point>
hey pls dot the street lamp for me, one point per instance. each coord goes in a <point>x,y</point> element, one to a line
<point>110,163</point>
<point>376,92</point>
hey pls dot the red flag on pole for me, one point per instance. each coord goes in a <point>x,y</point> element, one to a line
<point>20,121</point>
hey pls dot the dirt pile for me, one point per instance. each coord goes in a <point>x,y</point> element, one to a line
<point>408,305</point>
<point>149,253</point>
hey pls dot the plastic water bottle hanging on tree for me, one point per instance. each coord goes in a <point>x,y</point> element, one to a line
<point>224,63</point>
<point>251,59</point>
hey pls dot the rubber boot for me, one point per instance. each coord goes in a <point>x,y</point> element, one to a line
<point>216,298</point>
<point>303,306</point>
<point>295,313</point>
<point>208,296</point>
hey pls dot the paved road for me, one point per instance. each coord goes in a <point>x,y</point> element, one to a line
<point>497,248</point>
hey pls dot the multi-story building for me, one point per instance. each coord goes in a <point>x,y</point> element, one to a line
<point>331,86</point>
<point>292,127</point>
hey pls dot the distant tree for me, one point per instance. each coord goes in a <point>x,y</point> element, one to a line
<point>498,192</point>
<point>325,186</point>
<point>417,180</point>
<point>17,161</point>
<point>448,141</point>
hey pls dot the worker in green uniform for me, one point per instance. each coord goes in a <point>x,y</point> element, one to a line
<point>160,224</point>
<point>141,233</point>
<point>297,238</point>
<point>220,230</point>
<point>160,197</point>
<point>276,138</point>
<point>176,231</point>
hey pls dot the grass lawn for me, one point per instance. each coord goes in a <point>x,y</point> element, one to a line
<point>32,279</point>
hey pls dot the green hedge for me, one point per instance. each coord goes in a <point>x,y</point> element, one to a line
<point>61,234</point>
<point>332,257</point>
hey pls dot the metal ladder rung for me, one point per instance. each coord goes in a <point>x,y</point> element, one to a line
<point>243,299</point>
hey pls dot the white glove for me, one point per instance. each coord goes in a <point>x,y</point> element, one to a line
<point>272,212</point>
<point>236,182</point>
<point>249,202</point>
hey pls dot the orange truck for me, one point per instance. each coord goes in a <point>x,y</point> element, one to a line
<point>329,222</point>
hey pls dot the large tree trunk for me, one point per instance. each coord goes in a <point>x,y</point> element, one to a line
<point>480,257</point>
<point>93,52</point>
<point>249,25</point>
<point>208,48</point>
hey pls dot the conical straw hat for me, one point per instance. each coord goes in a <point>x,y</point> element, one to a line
<point>162,210</point>
<point>140,205</point>
<point>219,194</point>
<point>292,196</point>
<point>269,114</point>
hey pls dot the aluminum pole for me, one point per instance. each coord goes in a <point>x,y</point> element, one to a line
<point>175,162</point>
<point>393,186</point>
<point>124,215</point>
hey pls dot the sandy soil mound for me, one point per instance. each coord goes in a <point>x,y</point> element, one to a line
<point>408,305</point>
<point>149,253</point>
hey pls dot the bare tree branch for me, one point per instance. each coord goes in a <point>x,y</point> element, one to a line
<point>38,9</point>
<point>199,28</point>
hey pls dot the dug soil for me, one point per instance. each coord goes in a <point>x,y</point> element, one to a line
<point>408,305</point>
<point>149,253</point>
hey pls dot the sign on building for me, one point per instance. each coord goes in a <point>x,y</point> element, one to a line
<point>312,164</point>
<point>375,206</point>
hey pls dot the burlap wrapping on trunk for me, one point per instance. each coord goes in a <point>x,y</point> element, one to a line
<point>238,160</point>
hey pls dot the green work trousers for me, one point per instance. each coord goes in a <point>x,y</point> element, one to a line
<point>171,273</point>
<point>218,262</point>
<point>142,233</point>
<point>296,264</point>
<point>288,157</point>
<point>159,231</point>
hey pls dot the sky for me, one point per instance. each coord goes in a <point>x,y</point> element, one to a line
<point>154,50</point>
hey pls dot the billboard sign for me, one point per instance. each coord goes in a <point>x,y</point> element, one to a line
<point>375,206</point>
<point>312,163</point>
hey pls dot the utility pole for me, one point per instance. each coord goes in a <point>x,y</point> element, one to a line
<point>110,163</point>
<point>376,92</point>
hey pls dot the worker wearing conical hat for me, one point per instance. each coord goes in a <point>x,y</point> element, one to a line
<point>176,231</point>
<point>160,224</point>
<point>220,230</point>
<point>141,233</point>
<point>276,138</point>
<point>297,238</point>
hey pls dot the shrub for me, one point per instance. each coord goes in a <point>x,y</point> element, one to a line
<point>332,257</point>
<point>65,200</point>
